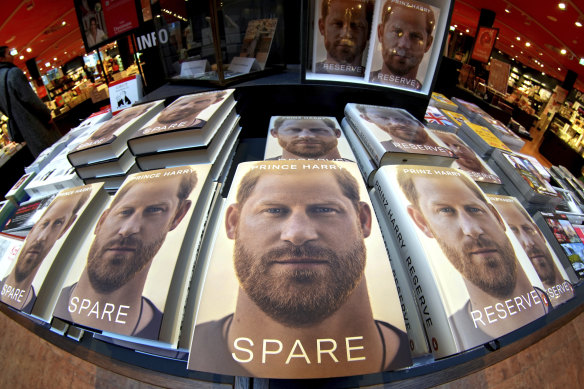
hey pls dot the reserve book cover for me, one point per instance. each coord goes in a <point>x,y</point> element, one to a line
<point>473,281</point>
<point>298,284</point>
<point>392,135</point>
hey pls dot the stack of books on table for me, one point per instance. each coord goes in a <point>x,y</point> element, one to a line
<point>501,131</point>
<point>435,119</point>
<point>522,180</point>
<point>194,129</point>
<point>480,138</point>
<point>17,193</point>
<point>103,156</point>
<point>438,100</point>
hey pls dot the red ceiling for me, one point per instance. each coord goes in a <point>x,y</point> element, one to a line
<point>38,24</point>
<point>542,23</point>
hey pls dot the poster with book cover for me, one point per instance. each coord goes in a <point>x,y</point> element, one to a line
<point>45,242</point>
<point>405,44</point>
<point>544,260</point>
<point>393,135</point>
<point>130,276</point>
<point>306,137</point>
<point>473,280</point>
<point>299,283</point>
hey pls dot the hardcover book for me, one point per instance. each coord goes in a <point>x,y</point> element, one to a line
<point>130,277</point>
<point>501,131</point>
<point>436,120</point>
<point>473,282</point>
<point>392,135</point>
<point>565,241</point>
<point>57,175</point>
<point>7,209</point>
<point>480,139</point>
<point>112,183</point>
<point>207,153</point>
<point>26,215</point>
<point>298,284</point>
<point>440,101</point>
<point>543,258</point>
<point>9,247</point>
<point>109,140</point>
<point>17,194</point>
<point>33,283</point>
<point>366,164</point>
<point>190,121</point>
<point>456,117</point>
<point>110,167</point>
<point>468,161</point>
<point>472,111</point>
<point>306,137</point>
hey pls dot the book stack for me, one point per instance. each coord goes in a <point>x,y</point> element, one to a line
<point>306,137</point>
<point>130,275</point>
<point>469,162</point>
<point>366,164</point>
<point>192,130</point>
<point>331,288</point>
<point>103,154</point>
<point>32,285</point>
<point>55,176</point>
<point>26,215</point>
<point>440,101</point>
<point>7,209</point>
<point>435,119</point>
<point>501,131</point>
<point>564,239</point>
<point>393,136</point>
<point>456,250</point>
<point>472,111</point>
<point>17,193</point>
<point>522,180</point>
<point>565,179</point>
<point>480,138</point>
<point>457,118</point>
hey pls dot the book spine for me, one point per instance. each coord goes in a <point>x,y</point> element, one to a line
<point>364,161</point>
<point>415,328</point>
<point>371,144</point>
<point>417,265</point>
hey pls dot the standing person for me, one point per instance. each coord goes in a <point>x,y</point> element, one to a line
<point>405,34</point>
<point>344,26</point>
<point>30,119</point>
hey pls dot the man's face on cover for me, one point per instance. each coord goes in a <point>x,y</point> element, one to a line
<point>130,233</point>
<point>466,157</point>
<point>306,138</point>
<point>404,40</point>
<point>531,240</point>
<point>43,235</point>
<point>299,250</point>
<point>398,126</point>
<point>469,233</point>
<point>345,31</point>
<point>112,125</point>
<point>188,107</point>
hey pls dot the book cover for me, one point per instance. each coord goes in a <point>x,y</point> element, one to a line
<point>110,167</point>
<point>16,193</point>
<point>472,111</point>
<point>468,161</point>
<point>51,232</point>
<point>440,101</point>
<point>130,276</point>
<point>402,43</point>
<point>392,135</point>
<point>9,247</point>
<point>57,175</point>
<point>457,118</point>
<point>341,34</point>
<point>298,284</point>
<point>366,164</point>
<point>436,120</point>
<point>484,139</point>
<point>7,209</point>
<point>109,140</point>
<point>26,215</point>
<point>473,282</point>
<point>189,121</point>
<point>306,137</point>
<point>549,269</point>
<point>565,241</point>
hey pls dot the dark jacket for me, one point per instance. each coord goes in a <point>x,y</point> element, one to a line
<point>28,116</point>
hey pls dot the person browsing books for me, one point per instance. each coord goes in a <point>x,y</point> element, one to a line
<point>405,34</point>
<point>17,289</point>
<point>307,138</point>
<point>344,26</point>
<point>109,294</point>
<point>534,244</point>
<point>299,256</point>
<point>471,234</point>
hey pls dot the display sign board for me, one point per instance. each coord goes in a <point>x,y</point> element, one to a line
<point>484,42</point>
<point>499,75</point>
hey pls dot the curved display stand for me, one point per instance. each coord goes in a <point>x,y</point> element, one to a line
<point>284,94</point>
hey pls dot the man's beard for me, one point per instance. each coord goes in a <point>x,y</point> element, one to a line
<point>399,62</point>
<point>107,275</point>
<point>301,151</point>
<point>344,54</point>
<point>23,267</point>
<point>543,265</point>
<point>300,297</point>
<point>495,275</point>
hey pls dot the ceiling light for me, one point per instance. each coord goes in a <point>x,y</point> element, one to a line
<point>28,49</point>
<point>452,28</point>
<point>507,10</point>
<point>578,23</point>
<point>562,6</point>
<point>467,30</point>
<point>512,46</point>
<point>581,61</point>
<point>63,23</point>
<point>527,44</point>
<point>456,26</point>
<point>563,51</point>
<point>518,38</point>
<point>13,52</point>
<point>460,33</point>
<point>540,53</point>
<point>542,73</point>
<point>21,57</point>
<point>559,70</point>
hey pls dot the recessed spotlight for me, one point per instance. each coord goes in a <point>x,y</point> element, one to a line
<point>542,73</point>
<point>452,28</point>
<point>467,30</point>
<point>512,46</point>
<point>518,38</point>
<point>21,57</point>
<point>578,23</point>
<point>456,26</point>
<point>460,33</point>
<point>562,6</point>
<point>563,51</point>
<point>527,44</point>
<point>55,59</point>
<point>63,23</point>
<point>559,70</point>
<point>581,61</point>
<point>47,64</point>
<point>507,10</point>
<point>540,53</point>
<point>28,49</point>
